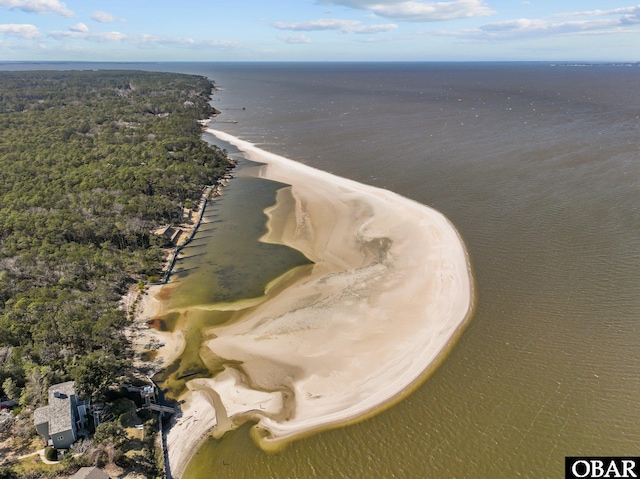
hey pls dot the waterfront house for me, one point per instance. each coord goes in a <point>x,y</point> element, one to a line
<point>169,232</point>
<point>59,422</point>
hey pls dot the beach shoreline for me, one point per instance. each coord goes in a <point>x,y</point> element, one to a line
<point>390,292</point>
<point>143,306</point>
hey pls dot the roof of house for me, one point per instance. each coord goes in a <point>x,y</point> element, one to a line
<point>166,230</point>
<point>90,473</point>
<point>59,412</point>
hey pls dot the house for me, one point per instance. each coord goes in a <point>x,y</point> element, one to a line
<point>170,233</point>
<point>60,421</point>
<point>90,473</point>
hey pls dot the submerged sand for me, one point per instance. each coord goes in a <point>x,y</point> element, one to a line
<point>389,291</point>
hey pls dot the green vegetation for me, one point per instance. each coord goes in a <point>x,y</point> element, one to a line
<point>7,473</point>
<point>121,443</point>
<point>91,163</point>
<point>50,454</point>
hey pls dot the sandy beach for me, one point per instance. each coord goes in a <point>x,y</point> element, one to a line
<point>389,293</point>
<point>166,347</point>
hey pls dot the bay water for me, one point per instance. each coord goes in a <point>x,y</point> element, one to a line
<point>538,166</point>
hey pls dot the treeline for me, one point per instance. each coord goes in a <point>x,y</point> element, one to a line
<point>90,163</point>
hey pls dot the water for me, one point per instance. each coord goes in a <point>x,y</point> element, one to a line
<point>224,263</point>
<point>539,169</point>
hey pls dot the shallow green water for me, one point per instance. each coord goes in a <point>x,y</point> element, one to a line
<point>224,263</point>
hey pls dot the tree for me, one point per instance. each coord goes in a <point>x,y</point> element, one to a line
<point>109,440</point>
<point>8,473</point>
<point>38,382</point>
<point>51,454</point>
<point>11,389</point>
<point>96,372</point>
<point>110,433</point>
<point>88,169</point>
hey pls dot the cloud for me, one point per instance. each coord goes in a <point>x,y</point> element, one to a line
<point>296,39</point>
<point>418,11</point>
<point>79,33</point>
<point>80,27</point>
<point>598,13</point>
<point>22,30</point>
<point>626,15</point>
<point>153,41</point>
<point>105,17</point>
<point>595,21</point>
<point>344,26</point>
<point>37,6</point>
<point>143,40</point>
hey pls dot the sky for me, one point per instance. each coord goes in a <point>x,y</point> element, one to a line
<point>319,30</point>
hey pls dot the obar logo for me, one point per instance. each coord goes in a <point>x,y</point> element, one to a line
<point>601,467</point>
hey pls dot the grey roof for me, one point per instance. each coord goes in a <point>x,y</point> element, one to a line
<point>90,473</point>
<point>41,415</point>
<point>59,412</point>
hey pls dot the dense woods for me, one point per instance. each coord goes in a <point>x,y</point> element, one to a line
<point>90,163</point>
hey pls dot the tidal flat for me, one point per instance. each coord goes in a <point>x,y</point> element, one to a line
<point>387,290</point>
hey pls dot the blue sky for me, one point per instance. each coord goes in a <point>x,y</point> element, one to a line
<point>319,30</point>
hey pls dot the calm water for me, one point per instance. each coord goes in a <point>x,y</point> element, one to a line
<point>224,263</point>
<point>539,169</point>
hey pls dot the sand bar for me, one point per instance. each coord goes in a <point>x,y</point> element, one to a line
<point>390,291</point>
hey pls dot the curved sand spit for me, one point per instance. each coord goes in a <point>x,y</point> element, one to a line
<point>390,290</point>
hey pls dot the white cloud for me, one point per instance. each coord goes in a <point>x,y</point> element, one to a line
<point>418,11</point>
<point>76,33</point>
<point>105,17</point>
<point>298,39</point>
<point>37,6</point>
<point>80,27</point>
<point>22,30</point>
<point>628,15</point>
<point>594,21</point>
<point>598,13</point>
<point>153,41</point>
<point>82,32</point>
<point>344,26</point>
<point>377,28</point>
